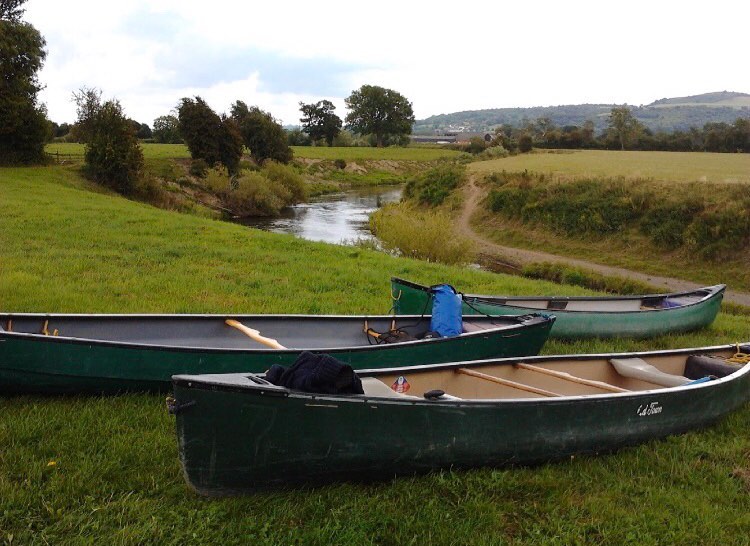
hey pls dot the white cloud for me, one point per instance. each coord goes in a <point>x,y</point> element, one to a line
<point>443,56</point>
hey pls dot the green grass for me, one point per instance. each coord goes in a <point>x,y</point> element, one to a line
<point>180,151</point>
<point>665,166</point>
<point>362,153</point>
<point>150,150</point>
<point>116,478</point>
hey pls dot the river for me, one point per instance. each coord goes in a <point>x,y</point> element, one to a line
<point>333,217</point>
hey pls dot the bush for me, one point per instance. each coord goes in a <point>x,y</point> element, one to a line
<point>113,155</point>
<point>710,220</point>
<point>426,235</point>
<point>525,144</point>
<point>256,195</point>
<point>667,222</point>
<point>198,168</point>
<point>494,152</point>
<point>432,187</point>
<point>288,178</point>
<point>218,180</point>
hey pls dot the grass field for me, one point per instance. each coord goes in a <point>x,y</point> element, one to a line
<point>665,166</point>
<point>180,151</point>
<point>150,151</point>
<point>104,470</point>
<point>412,153</point>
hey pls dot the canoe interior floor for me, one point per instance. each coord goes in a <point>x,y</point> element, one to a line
<point>562,378</point>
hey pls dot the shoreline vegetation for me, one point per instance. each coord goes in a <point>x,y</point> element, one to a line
<point>106,468</point>
<point>173,182</point>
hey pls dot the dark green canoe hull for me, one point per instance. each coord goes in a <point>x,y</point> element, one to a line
<point>413,299</point>
<point>57,365</point>
<point>241,440</point>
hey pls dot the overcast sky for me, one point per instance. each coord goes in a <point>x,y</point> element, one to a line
<point>443,56</point>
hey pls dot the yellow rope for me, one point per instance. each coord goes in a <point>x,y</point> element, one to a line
<point>397,297</point>
<point>739,357</point>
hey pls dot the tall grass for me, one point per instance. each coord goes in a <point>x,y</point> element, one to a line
<point>709,220</point>
<point>418,233</point>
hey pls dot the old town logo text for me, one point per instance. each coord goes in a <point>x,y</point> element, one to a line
<point>644,410</point>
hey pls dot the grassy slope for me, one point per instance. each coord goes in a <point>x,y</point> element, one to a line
<point>116,478</point>
<point>667,166</point>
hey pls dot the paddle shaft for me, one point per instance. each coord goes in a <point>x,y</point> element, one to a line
<point>572,378</point>
<point>506,382</point>
<point>254,334</point>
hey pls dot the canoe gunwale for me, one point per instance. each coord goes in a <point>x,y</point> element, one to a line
<point>539,320</point>
<point>713,292</point>
<point>201,382</point>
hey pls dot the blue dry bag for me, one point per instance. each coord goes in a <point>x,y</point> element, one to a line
<point>446,311</point>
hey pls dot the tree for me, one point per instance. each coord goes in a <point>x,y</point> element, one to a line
<point>24,128</point>
<point>113,156</point>
<point>11,10</point>
<point>319,121</point>
<point>199,128</point>
<point>230,144</point>
<point>261,133</point>
<point>166,130</point>
<point>88,102</point>
<point>525,143</point>
<point>208,136</point>
<point>382,112</point>
<point>296,137</point>
<point>144,131</point>
<point>623,125</point>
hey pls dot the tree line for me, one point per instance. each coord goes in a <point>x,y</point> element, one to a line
<point>623,132</point>
<point>112,152</point>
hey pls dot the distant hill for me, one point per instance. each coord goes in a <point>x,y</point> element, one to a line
<point>720,98</point>
<point>668,114</point>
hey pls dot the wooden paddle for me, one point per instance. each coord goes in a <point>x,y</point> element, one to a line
<point>506,382</point>
<point>254,334</point>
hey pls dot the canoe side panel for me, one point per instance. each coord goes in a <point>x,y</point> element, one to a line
<point>582,324</point>
<point>48,365</point>
<point>234,442</point>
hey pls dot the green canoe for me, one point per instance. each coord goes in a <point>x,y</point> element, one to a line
<point>584,316</point>
<point>113,353</point>
<point>238,433</point>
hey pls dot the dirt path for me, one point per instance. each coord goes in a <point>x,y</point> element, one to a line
<point>520,257</point>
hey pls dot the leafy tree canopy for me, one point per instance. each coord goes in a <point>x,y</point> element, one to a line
<point>167,130</point>
<point>24,128</point>
<point>261,133</point>
<point>11,10</point>
<point>113,155</point>
<point>623,125</point>
<point>210,137</point>
<point>380,111</point>
<point>319,121</point>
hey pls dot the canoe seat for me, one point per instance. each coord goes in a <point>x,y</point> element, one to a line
<point>375,387</point>
<point>473,327</point>
<point>604,305</point>
<point>637,368</point>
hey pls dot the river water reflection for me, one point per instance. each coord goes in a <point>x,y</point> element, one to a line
<point>332,218</point>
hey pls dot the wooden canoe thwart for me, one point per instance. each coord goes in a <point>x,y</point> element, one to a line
<point>53,353</point>
<point>584,317</point>
<point>238,433</point>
